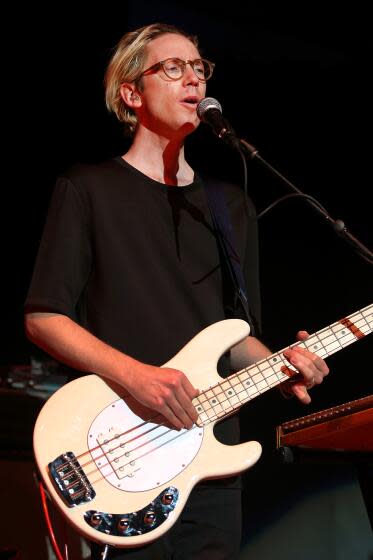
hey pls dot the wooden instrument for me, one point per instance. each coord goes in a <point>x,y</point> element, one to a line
<point>347,427</point>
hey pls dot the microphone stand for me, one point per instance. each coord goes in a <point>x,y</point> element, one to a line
<point>337,225</point>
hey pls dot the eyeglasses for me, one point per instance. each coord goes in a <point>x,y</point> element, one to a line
<point>174,68</point>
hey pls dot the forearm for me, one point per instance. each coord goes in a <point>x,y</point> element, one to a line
<point>165,390</point>
<point>73,345</point>
<point>247,352</point>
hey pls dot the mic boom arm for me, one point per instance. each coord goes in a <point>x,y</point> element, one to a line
<point>209,111</point>
<point>337,225</point>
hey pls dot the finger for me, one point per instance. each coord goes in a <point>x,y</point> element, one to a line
<point>314,358</point>
<point>300,391</point>
<point>176,398</point>
<point>302,335</point>
<point>169,415</point>
<point>183,392</point>
<point>183,409</point>
<point>167,405</point>
<point>190,390</point>
<point>185,400</point>
<point>310,365</point>
<point>302,364</point>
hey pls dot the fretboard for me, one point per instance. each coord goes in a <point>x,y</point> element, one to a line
<point>231,393</point>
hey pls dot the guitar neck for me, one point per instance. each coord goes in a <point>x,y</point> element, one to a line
<point>237,389</point>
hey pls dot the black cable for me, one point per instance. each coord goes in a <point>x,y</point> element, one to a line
<point>293,195</point>
<point>338,225</point>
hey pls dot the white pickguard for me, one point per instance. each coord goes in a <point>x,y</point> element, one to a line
<point>134,455</point>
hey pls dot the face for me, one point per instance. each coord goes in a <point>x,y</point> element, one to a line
<point>169,107</point>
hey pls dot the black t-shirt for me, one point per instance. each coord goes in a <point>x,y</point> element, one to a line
<point>136,262</point>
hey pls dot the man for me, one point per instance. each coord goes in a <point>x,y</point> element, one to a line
<point>129,269</point>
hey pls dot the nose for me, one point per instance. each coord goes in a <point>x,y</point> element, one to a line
<point>190,76</point>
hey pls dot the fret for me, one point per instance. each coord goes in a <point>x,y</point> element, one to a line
<point>340,332</point>
<point>272,372</point>
<point>243,382</point>
<point>217,407</point>
<point>345,336</point>
<point>368,315</point>
<point>257,377</point>
<point>230,392</point>
<point>226,386</point>
<point>366,323</point>
<point>274,360</point>
<point>226,405</point>
<point>258,380</point>
<point>246,389</point>
<point>252,392</point>
<point>214,402</point>
<point>266,376</point>
<point>313,344</point>
<point>253,370</point>
<point>222,399</point>
<point>235,381</point>
<point>329,339</point>
<point>261,385</point>
<point>234,401</point>
<point>246,380</point>
<point>272,380</point>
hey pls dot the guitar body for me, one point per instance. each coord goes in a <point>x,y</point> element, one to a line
<point>117,473</point>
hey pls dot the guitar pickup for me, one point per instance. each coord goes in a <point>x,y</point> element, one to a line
<point>70,481</point>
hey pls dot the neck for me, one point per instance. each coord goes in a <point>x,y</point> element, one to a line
<point>160,158</point>
<point>231,393</point>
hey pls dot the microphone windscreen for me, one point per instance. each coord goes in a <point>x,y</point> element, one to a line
<point>205,104</point>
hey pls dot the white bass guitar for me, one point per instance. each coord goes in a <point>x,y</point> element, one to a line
<point>119,475</point>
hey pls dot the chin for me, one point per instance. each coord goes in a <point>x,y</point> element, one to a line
<point>187,128</point>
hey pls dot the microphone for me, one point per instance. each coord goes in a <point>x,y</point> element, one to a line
<point>209,111</point>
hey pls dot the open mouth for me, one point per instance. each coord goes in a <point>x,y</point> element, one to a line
<point>190,100</point>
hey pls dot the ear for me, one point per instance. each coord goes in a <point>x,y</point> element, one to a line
<point>130,95</point>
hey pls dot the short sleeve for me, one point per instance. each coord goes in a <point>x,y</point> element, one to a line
<point>63,261</point>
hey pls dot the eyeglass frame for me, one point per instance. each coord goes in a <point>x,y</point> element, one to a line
<point>161,63</point>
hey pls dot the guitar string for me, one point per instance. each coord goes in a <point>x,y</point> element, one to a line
<point>144,454</point>
<point>149,451</point>
<point>149,420</point>
<point>104,454</point>
<point>211,419</point>
<point>94,461</point>
<point>225,411</point>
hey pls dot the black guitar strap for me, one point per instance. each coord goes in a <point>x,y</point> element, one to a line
<point>224,229</point>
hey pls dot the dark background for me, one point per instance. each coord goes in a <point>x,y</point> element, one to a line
<point>294,81</point>
<point>293,78</point>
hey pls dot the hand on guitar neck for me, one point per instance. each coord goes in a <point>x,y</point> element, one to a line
<point>312,370</point>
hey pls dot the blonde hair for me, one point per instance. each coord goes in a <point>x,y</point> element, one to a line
<point>127,64</point>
